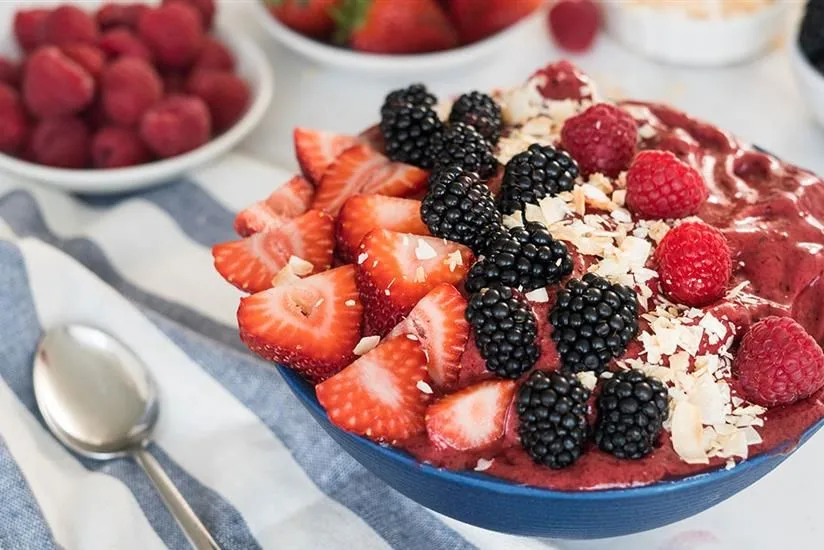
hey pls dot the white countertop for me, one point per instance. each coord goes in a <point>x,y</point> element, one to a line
<point>759,101</point>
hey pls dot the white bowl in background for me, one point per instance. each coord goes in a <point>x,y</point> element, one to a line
<point>809,80</point>
<point>389,64</point>
<point>252,65</point>
<point>670,36</point>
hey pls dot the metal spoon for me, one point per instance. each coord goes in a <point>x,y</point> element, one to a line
<point>99,400</point>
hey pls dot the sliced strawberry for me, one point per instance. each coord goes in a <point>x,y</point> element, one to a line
<point>250,263</point>
<point>472,418</point>
<point>378,395</point>
<point>363,213</point>
<point>362,170</point>
<point>373,137</point>
<point>396,270</point>
<point>439,322</point>
<point>316,150</point>
<point>288,201</point>
<point>311,325</point>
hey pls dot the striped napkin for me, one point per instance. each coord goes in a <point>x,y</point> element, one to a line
<point>251,461</point>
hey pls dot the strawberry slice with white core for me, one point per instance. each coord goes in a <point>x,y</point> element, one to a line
<point>252,262</point>
<point>362,170</point>
<point>472,418</point>
<point>396,270</point>
<point>363,213</point>
<point>439,323</point>
<point>316,150</point>
<point>288,201</point>
<point>311,325</point>
<point>379,395</point>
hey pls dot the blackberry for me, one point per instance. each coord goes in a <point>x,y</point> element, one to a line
<point>408,130</point>
<point>811,36</point>
<point>505,330</point>
<point>594,320</point>
<point>632,408</point>
<point>523,257</point>
<point>552,409</point>
<point>458,207</point>
<point>415,94</point>
<point>538,172</point>
<point>479,111</point>
<point>462,145</point>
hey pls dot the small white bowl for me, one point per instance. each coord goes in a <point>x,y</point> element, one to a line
<point>809,80</point>
<point>252,65</point>
<point>386,64</point>
<point>670,36</point>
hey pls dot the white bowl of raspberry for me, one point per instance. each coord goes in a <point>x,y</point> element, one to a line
<point>129,114</point>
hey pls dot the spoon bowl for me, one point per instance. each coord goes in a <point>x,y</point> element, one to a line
<point>100,401</point>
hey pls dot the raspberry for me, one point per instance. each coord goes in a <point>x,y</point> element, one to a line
<point>779,363</point>
<point>95,116</point>
<point>68,24</point>
<point>128,87</point>
<point>694,264</point>
<point>661,186</point>
<point>14,126</point>
<point>62,142</point>
<point>173,32</point>
<point>574,24</point>
<point>54,85</point>
<point>28,27</point>
<point>110,16</point>
<point>175,125</point>
<point>563,80</point>
<point>122,42</point>
<point>114,147</point>
<point>226,95</point>
<point>9,72</point>
<point>206,9</point>
<point>214,57</point>
<point>89,57</point>
<point>602,139</point>
<point>174,82</point>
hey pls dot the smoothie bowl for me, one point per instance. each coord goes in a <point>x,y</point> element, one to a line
<point>540,312</point>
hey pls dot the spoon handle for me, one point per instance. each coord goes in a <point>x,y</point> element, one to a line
<point>192,527</point>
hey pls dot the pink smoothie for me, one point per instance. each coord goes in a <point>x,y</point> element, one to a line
<point>773,216</point>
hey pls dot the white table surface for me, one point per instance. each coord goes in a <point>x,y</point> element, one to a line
<point>759,101</point>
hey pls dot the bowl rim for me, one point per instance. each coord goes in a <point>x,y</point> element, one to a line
<point>377,62</point>
<point>501,486</point>
<point>132,178</point>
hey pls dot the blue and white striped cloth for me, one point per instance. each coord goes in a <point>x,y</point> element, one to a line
<point>249,459</point>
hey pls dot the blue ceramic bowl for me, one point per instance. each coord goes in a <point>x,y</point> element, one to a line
<point>500,505</point>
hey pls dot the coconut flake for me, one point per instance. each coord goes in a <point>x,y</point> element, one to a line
<point>424,387</point>
<point>424,250</point>
<point>587,379</point>
<point>350,303</point>
<point>286,276</point>
<point>484,464</point>
<point>539,296</point>
<point>366,344</point>
<point>300,266</point>
<point>454,259</point>
<point>688,433</point>
<point>362,257</point>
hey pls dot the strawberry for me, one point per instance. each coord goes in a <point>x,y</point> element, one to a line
<point>378,395</point>
<point>472,418</point>
<point>478,19</point>
<point>392,26</point>
<point>309,17</point>
<point>396,270</point>
<point>438,321</point>
<point>311,325</point>
<point>363,213</point>
<point>361,170</point>
<point>288,201</point>
<point>250,263</point>
<point>316,150</point>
